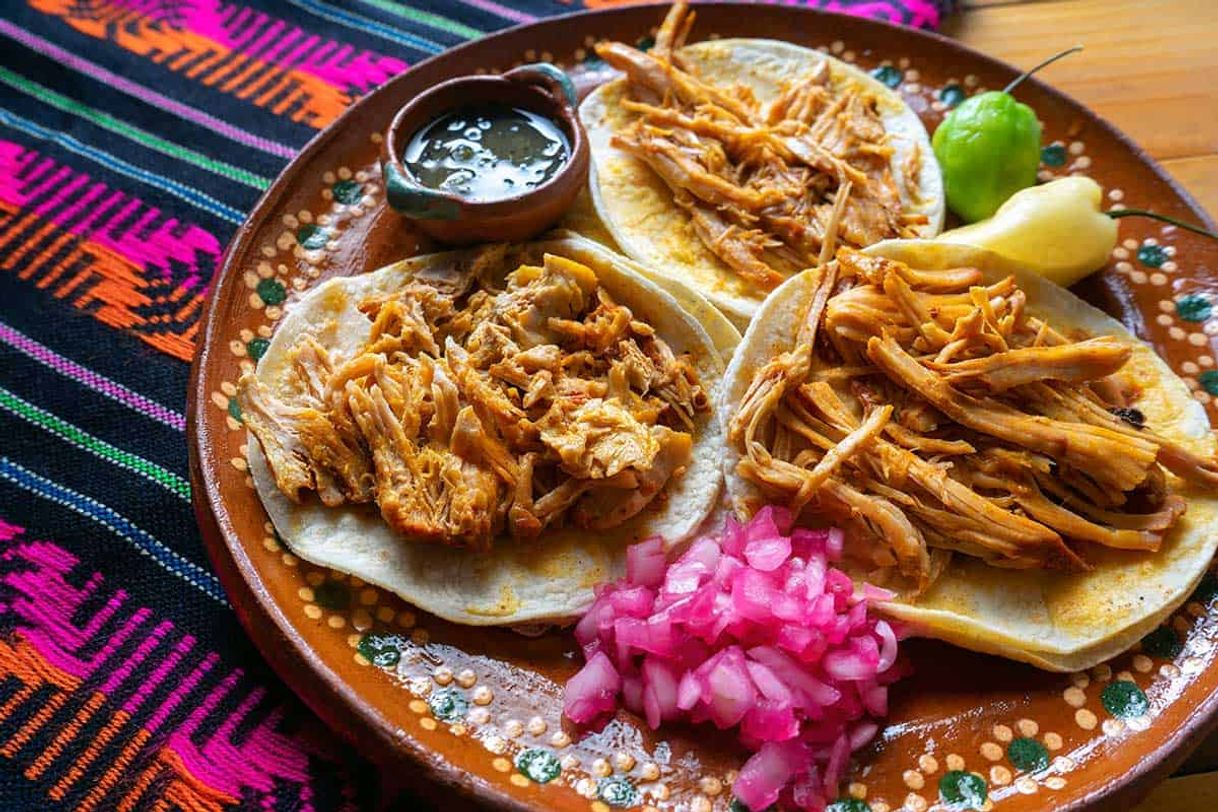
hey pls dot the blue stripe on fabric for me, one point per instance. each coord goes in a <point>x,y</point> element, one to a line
<point>361,23</point>
<point>90,508</point>
<point>190,195</point>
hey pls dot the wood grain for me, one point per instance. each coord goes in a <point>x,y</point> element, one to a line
<point>1200,176</point>
<point>1147,68</point>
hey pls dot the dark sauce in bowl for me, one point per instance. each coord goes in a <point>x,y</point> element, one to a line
<point>488,152</point>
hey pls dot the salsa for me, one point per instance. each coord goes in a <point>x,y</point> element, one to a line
<point>487,152</point>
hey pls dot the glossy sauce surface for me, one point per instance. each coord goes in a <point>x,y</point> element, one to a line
<point>488,152</point>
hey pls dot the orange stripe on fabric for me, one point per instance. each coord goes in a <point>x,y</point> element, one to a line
<point>132,796</point>
<point>33,725</point>
<point>118,720</point>
<point>111,776</point>
<point>45,254</point>
<point>144,38</point>
<point>205,64</point>
<point>189,791</point>
<point>66,734</point>
<point>110,287</point>
<point>16,256</point>
<point>16,230</point>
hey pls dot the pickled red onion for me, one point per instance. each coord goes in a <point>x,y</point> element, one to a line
<point>752,630</point>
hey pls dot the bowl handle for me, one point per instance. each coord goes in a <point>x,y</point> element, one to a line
<point>550,77</point>
<point>416,201</point>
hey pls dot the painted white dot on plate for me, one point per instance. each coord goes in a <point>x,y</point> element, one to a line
<point>1116,194</point>
<point>928,763</point>
<point>1188,368</point>
<point>1026,785</point>
<point>1000,775</point>
<point>1137,277</point>
<point>1085,719</point>
<point>1176,333</point>
<point>1028,727</point>
<point>1080,679</point>
<point>1198,339</point>
<point>1002,733</point>
<point>1053,741</point>
<point>1074,697</point>
<point>1123,267</point>
<point>1112,727</point>
<point>1131,244</point>
<point>1055,782</point>
<point>1120,253</point>
<point>1205,360</point>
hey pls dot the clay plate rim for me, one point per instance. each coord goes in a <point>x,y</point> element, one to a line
<point>328,695</point>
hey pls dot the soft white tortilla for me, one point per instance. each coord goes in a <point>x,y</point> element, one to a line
<point>637,208</point>
<point>1054,620</point>
<point>546,579</point>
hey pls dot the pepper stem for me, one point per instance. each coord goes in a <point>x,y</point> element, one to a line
<point>1015,83</point>
<point>1118,213</point>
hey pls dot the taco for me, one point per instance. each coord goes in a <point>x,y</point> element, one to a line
<point>484,431</point>
<point>1027,477</point>
<point>726,163</point>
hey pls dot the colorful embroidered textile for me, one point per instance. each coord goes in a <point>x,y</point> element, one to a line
<point>134,136</point>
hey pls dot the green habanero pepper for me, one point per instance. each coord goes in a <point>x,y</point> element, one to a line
<point>989,148</point>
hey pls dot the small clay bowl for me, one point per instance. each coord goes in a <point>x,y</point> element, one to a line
<point>541,88</point>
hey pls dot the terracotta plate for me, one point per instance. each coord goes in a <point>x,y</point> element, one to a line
<point>479,710</point>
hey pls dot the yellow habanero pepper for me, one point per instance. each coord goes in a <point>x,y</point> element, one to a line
<point>1056,230</point>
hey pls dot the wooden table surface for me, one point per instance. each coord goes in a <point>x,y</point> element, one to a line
<point>1148,67</point>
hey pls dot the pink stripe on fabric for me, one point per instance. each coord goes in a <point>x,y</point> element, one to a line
<point>154,241</point>
<point>96,382</point>
<point>499,10</point>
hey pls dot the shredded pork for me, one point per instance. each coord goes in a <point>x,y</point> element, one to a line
<point>766,186</point>
<point>934,415</point>
<point>474,411</point>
